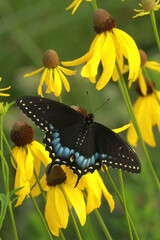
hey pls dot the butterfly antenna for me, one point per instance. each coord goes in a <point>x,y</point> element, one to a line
<point>89,103</point>
<point>102,105</point>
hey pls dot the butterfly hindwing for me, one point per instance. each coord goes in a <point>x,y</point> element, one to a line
<point>118,153</point>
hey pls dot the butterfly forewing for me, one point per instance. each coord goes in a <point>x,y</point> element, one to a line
<point>48,114</point>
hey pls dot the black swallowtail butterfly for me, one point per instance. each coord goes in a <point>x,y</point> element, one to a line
<point>76,141</point>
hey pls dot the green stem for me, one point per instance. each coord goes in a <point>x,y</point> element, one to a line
<point>153,20</point>
<point>40,187</point>
<point>125,204</point>
<point>94,4</point>
<point>60,99</point>
<point>9,149</point>
<point>41,216</point>
<point>5,172</point>
<point>120,199</point>
<point>150,83</point>
<point>127,100</point>
<point>90,227</point>
<point>71,214</point>
<point>103,226</point>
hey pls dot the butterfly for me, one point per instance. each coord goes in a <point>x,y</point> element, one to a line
<point>77,141</point>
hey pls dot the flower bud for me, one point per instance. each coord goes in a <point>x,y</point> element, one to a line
<point>103,21</point>
<point>143,57</point>
<point>55,176</point>
<point>148,5</point>
<point>50,59</point>
<point>21,134</point>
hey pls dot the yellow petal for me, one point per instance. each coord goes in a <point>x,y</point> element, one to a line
<point>107,195</point>
<point>14,152</point>
<point>94,193</point>
<point>57,83</point>
<point>155,66</point>
<point>121,129</point>
<point>84,58</point>
<point>142,83</point>
<point>91,67</point>
<point>21,159</point>
<point>62,208</point>
<point>64,79</point>
<point>29,165</point>
<point>51,213</point>
<point>130,51</point>
<point>38,150</point>
<point>66,71</point>
<point>75,196</point>
<point>22,193</point>
<point>49,81</point>
<point>33,73</point>
<point>41,82</point>
<point>119,58</point>
<point>108,61</point>
<point>75,4</point>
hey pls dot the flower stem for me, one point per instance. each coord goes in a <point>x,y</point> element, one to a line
<point>153,20</point>
<point>125,204</point>
<point>127,100</point>
<point>103,226</point>
<point>40,187</point>
<point>90,227</point>
<point>41,216</point>
<point>94,4</point>
<point>5,172</point>
<point>120,198</point>
<point>71,214</point>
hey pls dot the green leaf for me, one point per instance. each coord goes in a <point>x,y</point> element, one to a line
<point>4,203</point>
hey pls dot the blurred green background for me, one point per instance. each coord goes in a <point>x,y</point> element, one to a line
<point>27,29</point>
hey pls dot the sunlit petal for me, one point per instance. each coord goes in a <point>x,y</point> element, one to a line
<point>51,213</point>
<point>41,82</point>
<point>57,83</point>
<point>108,61</point>
<point>142,83</point>
<point>34,72</point>
<point>29,165</point>
<point>155,66</point>
<point>62,208</point>
<point>66,71</point>
<point>91,67</point>
<point>64,80</point>
<point>75,196</point>
<point>121,129</point>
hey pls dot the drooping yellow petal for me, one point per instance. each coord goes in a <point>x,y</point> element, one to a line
<point>108,61</point>
<point>91,67</point>
<point>57,83</point>
<point>41,82</point>
<point>21,159</point>
<point>75,4</point>
<point>142,83</point>
<point>62,208</point>
<point>142,109</point>
<point>34,72</point>
<point>155,66</point>
<point>130,51</point>
<point>66,71</point>
<point>84,58</point>
<point>64,80</point>
<point>29,165</point>
<point>75,196</point>
<point>107,195</point>
<point>14,152</point>
<point>49,81</point>
<point>121,129</point>
<point>38,150</point>
<point>94,193</point>
<point>22,193</point>
<point>51,213</point>
<point>119,58</point>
